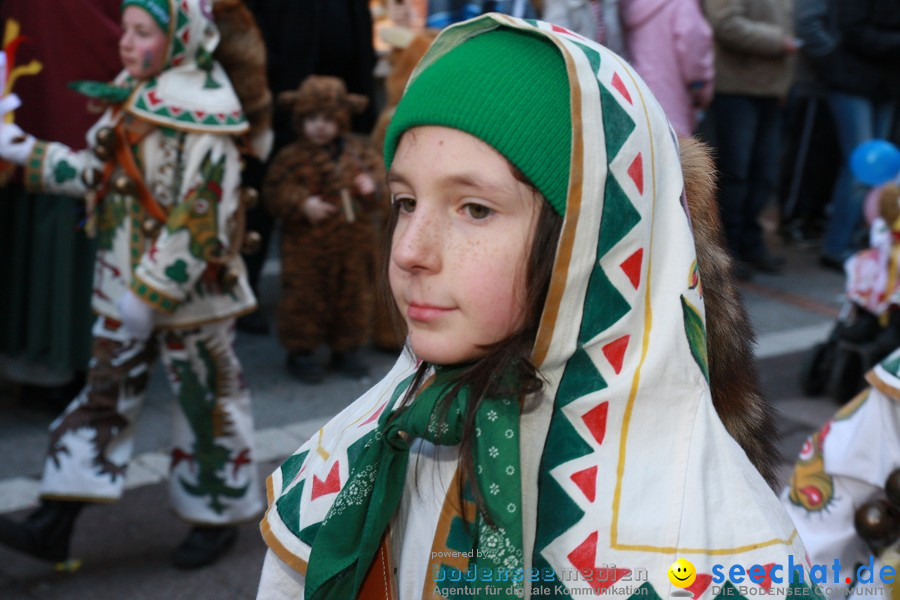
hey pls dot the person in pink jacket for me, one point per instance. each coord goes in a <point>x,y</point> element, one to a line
<point>670,45</point>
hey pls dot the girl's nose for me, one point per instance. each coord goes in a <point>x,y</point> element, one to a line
<point>417,243</point>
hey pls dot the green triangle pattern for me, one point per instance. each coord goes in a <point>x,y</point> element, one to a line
<point>309,534</point>
<point>729,592</point>
<point>603,306</point>
<point>645,592</point>
<point>291,467</point>
<point>892,365</point>
<point>548,583</point>
<point>580,374</point>
<point>618,218</point>
<point>557,512</point>
<point>593,57</point>
<point>616,123</point>
<point>288,507</point>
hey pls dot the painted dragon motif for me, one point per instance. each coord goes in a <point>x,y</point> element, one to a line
<point>208,421</point>
<point>198,215</point>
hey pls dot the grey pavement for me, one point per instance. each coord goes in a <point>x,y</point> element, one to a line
<point>124,547</point>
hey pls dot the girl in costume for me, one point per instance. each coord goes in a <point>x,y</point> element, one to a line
<point>840,468</point>
<point>549,430</point>
<point>161,179</point>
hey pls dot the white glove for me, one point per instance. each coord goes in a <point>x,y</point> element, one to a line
<point>137,316</point>
<point>15,144</point>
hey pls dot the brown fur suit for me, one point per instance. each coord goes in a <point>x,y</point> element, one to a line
<point>326,269</point>
<point>734,382</point>
<point>242,53</point>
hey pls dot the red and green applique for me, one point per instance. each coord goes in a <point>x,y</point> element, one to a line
<point>695,330</point>
<point>811,486</point>
<point>110,216</point>
<point>63,172</point>
<point>208,421</point>
<point>199,213</point>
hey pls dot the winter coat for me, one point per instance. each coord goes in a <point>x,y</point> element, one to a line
<point>853,45</point>
<point>670,44</point>
<point>749,46</point>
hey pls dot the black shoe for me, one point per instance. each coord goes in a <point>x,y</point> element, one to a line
<point>203,546</point>
<point>45,534</point>
<point>254,323</point>
<point>302,366</point>
<point>766,263</point>
<point>832,264</point>
<point>350,364</point>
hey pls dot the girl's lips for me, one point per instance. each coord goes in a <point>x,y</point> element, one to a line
<point>425,313</point>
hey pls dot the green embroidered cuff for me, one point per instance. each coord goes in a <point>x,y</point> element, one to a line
<point>34,167</point>
<point>152,296</point>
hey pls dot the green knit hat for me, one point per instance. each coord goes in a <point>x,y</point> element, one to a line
<point>509,89</point>
<point>160,10</point>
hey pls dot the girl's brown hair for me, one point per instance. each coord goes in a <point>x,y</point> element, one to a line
<point>485,377</point>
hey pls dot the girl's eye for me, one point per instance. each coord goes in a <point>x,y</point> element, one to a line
<point>478,211</point>
<point>405,203</point>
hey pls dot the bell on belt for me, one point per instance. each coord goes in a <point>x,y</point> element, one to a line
<point>229,278</point>
<point>106,141</point>
<point>249,197</point>
<point>252,242</point>
<point>876,522</point>
<point>151,227</point>
<point>892,487</point>
<point>124,184</point>
<point>91,177</point>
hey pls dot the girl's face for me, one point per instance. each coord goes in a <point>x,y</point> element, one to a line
<point>142,46</point>
<point>320,129</point>
<point>459,250</point>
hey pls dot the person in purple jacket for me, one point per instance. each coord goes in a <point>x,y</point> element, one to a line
<point>670,44</point>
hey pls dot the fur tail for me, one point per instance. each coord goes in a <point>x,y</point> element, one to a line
<point>746,414</point>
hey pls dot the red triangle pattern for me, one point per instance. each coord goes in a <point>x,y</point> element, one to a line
<point>374,416</point>
<point>620,86</point>
<point>632,267</point>
<point>595,419</point>
<point>331,485</point>
<point>636,172</point>
<point>559,29</point>
<point>767,579</point>
<point>615,352</point>
<point>700,584</point>
<point>587,482</point>
<point>582,558</point>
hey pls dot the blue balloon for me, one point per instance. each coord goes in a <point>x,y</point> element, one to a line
<point>875,162</point>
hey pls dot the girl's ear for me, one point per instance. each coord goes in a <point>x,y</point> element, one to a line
<point>357,103</point>
<point>288,99</point>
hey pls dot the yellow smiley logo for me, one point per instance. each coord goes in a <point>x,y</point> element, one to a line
<point>682,573</point>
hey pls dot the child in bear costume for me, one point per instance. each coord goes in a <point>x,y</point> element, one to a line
<point>322,188</point>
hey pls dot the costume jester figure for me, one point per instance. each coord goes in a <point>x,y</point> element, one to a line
<point>161,181</point>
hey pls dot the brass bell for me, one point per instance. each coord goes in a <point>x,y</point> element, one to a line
<point>892,488</point>
<point>91,177</point>
<point>105,136</point>
<point>105,143</point>
<point>123,184</point>
<point>249,197</point>
<point>151,227</point>
<point>875,522</point>
<point>229,278</point>
<point>103,153</point>
<point>252,242</point>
